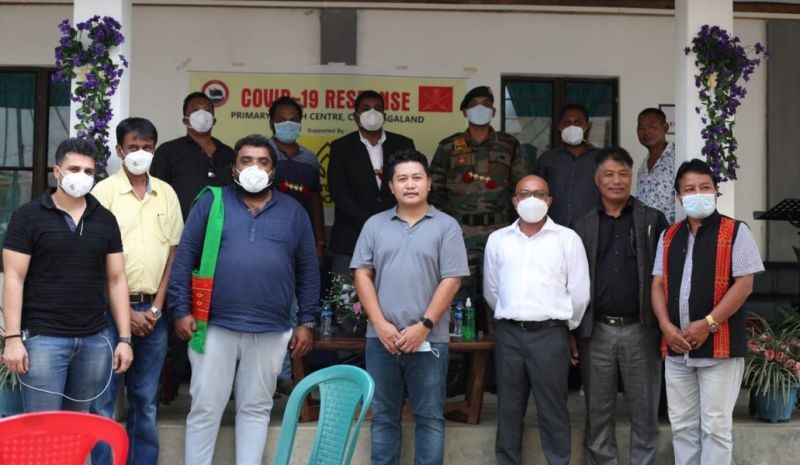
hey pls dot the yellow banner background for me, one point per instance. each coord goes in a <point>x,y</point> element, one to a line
<point>424,109</point>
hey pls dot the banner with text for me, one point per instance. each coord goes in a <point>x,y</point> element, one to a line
<point>424,109</point>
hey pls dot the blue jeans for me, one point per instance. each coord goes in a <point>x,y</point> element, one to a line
<point>141,380</point>
<point>424,376</point>
<point>77,367</point>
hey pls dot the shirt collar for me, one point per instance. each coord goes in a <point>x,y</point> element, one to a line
<point>300,149</point>
<point>272,201</point>
<point>47,200</point>
<point>429,214</point>
<point>668,154</point>
<point>549,225</point>
<point>713,217</point>
<point>564,149</point>
<point>188,139</point>
<point>124,185</point>
<point>368,143</point>
<point>489,140</point>
<point>628,206</point>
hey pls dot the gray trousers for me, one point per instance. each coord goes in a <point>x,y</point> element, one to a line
<point>632,353</point>
<point>537,361</point>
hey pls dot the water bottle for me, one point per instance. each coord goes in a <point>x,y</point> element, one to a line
<point>468,330</point>
<point>457,314</point>
<point>326,320</point>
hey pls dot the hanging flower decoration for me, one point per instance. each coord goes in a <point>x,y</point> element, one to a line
<point>722,61</point>
<point>472,176</point>
<point>84,54</point>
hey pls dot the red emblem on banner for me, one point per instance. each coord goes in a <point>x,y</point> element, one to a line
<point>217,92</point>
<point>436,98</point>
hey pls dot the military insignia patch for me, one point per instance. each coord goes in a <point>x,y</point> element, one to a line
<point>466,159</point>
<point>460,146</point>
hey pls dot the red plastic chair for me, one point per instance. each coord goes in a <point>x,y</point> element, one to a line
<point>58,438</point>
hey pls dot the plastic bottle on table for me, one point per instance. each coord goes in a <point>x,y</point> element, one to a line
<point>326,320</point>
<point>468,330</point>
<point>458,313</point>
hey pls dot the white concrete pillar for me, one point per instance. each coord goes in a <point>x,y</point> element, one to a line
<point>120,101</point>
<point>690,16</point>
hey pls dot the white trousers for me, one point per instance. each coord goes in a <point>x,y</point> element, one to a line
<point>701,402</point>
<point>215,373</point>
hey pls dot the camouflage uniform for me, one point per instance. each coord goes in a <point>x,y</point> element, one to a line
<point>480,209</point>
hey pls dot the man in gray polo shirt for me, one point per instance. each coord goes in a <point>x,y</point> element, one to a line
<point>408,264</point>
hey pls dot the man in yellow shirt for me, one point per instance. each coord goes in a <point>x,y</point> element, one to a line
<point>150,220</point>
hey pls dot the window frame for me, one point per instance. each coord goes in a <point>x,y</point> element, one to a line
<point>39,168</point>
<point>559,99</point>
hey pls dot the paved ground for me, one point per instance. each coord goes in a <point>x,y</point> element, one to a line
<point>756,442</point>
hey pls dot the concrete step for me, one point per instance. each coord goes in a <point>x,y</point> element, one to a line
<point>755,442</point>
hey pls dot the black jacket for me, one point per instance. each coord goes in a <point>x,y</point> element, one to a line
<point>648,223</point>
<point>355,193</point>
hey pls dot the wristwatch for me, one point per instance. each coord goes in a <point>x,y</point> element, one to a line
<point>309,324</point>
<point>713,326</point>
<point>426,322</point>
<point>125,340</point>
<point>156,312</point>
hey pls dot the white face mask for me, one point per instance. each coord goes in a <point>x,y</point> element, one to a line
<point>201,120</point>
<point>532,210</point>
<point>699,206</point>
<point>479,115</point>
<point>253,179</point>
<point>371,120</point>
<point>138,162</point>
<point>572,135</point>
<point>76,184</point>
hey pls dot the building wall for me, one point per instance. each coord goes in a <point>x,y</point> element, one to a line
<point>638,49</point>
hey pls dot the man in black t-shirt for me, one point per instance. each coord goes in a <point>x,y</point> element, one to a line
<point>62,252</point>
<point>191,162</point>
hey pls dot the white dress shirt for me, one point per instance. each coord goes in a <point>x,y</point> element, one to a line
<point>375,154</point>
<point>537,278</point>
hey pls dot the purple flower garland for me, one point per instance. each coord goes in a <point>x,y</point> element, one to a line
<point>89,45</point>
<point>722,61</point>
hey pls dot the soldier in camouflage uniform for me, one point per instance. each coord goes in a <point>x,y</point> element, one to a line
<point>474,173</point>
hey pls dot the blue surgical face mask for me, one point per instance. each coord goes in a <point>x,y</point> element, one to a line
<point>479,115</point>
<point>287,131</point>
<point>699,206</point>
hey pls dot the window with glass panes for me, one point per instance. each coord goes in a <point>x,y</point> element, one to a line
<point>34,119</point>
<point>531,104</point>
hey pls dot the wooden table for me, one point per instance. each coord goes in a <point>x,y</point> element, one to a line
<point>466,411</point>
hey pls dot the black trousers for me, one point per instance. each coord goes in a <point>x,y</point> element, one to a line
<point>534,360</point>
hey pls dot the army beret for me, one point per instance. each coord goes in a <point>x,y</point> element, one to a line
<point>480,91</point>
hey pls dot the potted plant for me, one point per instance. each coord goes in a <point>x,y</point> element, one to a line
<point>772,365</point>
<point>344,300</point>
<point>10,390</point>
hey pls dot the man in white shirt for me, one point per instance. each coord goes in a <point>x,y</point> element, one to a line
<point>536,278</point>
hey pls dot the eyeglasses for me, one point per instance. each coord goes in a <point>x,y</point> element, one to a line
<point>541,195</point>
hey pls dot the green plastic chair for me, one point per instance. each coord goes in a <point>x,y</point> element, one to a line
<point>343,389</point>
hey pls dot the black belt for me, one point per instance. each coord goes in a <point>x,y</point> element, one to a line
<point>618,320</point>
<point>533,325</point>
<point>141,298</point>
<point>484,219</point>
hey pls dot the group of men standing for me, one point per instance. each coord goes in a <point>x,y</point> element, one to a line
<point>585,273</point>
